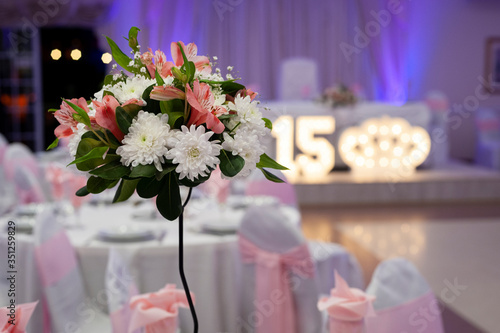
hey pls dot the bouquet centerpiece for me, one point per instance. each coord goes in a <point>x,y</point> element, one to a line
<point>338,95</point>
<point>157,125</point>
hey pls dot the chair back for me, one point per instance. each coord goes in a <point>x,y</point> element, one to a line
<point>280,292</point>
<point>291,88</point>
<point>60,276</point>
<point>18,154</point>
<point>120,288</point>
<point>401,293</point>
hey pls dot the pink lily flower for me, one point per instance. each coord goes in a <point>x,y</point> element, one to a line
<point>162,93</point>
<point>203,109</point>
<point>105,114</point>
<point>160,63</point>
<point>65,117</point>
<point>201,63</point>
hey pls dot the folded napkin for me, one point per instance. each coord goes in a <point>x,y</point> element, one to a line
<point>15,321</point>
<point>347,307</point>
<point>157,312</point>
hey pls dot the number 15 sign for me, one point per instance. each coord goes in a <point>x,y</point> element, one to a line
<point>318,155</point>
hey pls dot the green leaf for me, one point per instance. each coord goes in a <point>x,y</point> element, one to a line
<point>231,87</point>
<point>82,192</point>
<point>193,183</point>
<point>271,176</point>
<point>120,57</point>
<point>125,190</point>
<point>97,184</point>
<point>230,164</point>
<point>111,171</point>
<point>159,79</point>
<point>52,110</point>
<point>53,144</point>
<point>148,187</point>
<point>168,200</point>
<point>95,153</point>
<point>83,116</point>
<point>143,171</point>
<point>123,119</point>
<point>166,169</point>
<point>190,70</point>
<point>269,124</point>
<point>175,119</point>
<point>132,38</point>
<point>267,162</point>
<point>106,93</point>
<point>227,116</point>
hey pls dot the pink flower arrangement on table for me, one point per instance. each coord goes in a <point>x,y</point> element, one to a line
<point>338,95</point>
<point>159,124</point>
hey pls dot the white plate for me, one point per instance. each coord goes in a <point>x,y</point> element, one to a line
<point>125,233</point>
<point>221,226</point>
<point>241,201</point>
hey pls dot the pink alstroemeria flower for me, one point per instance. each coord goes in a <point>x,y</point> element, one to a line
<point>105,114</point>
<point>243,93</point>
<point>160,63</point>
<point>203,109</point>
<point>201,63</point>
<point>65,117</point>
<point>161,93</point>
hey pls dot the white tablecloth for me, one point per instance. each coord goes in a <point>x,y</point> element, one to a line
<point>211,262</point>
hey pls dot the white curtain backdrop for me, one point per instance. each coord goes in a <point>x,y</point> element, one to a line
<point>254,36</point>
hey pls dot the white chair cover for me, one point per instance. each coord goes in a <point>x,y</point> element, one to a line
<point>3,148</point>
<point>401,292</point>
<point>488,138</point>
<point>62,284</point>
<point>329,257</point>
<point>18,154</point>
<point>27,185</point>
<point>120,288</point>
<point>290,88</point>
<point>268,229</point>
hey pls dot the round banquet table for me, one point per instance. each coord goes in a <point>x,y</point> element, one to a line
<point>211,261</point>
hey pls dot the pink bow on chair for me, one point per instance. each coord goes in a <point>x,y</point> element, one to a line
<point>271,285</point>
<point>15,321</point>
<point>347,307</point>
<point>157,312</point>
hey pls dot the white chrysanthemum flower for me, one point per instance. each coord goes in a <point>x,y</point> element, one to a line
<point>194,153</point>
<point>246,144</point>
<point>98,95</point>
<point>132,87</point>
<point>248,114</point>
<point>147,141</point>
<point>75,139</point>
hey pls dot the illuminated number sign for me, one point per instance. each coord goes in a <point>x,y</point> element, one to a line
<point>318,155</point>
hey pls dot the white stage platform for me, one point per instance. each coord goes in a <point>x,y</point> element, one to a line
<point>452,183</point>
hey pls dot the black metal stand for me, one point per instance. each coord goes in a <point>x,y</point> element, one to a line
<point>181,265</point>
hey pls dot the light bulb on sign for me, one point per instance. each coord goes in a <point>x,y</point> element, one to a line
<point>391,144</point>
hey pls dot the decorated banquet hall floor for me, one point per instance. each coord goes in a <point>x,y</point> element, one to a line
<point>450,245</point>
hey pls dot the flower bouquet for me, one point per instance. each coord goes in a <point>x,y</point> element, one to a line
<point>163,125</point>
<point>339,95</point>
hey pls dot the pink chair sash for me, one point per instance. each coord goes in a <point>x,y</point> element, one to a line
<point>157,312</point>
<point>408,317</point>
<point>15,319</point>
<point>271,282</point>
<point>342,326</point>
<point>55,259</point>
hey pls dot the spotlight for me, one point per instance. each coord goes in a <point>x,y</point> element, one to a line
<point>106,58</point>
<point>55,54</point>
<point>76,54</point>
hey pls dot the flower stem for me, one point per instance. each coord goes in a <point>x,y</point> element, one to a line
<point>235,127</point>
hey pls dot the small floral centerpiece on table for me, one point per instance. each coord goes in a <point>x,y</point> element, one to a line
<point>157,125</point>
<point>337,96</point>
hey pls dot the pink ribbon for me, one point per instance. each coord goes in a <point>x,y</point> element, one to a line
<point>347,307</point>
<point>271,282</point>
<point>15,320</point>
<point>157,312</point>
<point>55,259</point>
